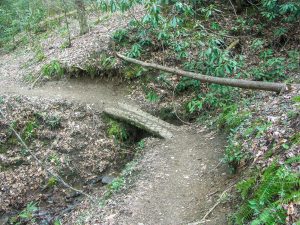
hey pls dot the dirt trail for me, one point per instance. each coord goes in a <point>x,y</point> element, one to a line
<point>179,179</point>
<point>96,92</point>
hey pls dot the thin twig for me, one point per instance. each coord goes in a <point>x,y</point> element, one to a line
<point>233,9</point>
<point>58,178</point>
<point>36,80</point>
<point>174,107</point>
<point>198,222</point>
<point>213,193</point>
<point>218,202</point>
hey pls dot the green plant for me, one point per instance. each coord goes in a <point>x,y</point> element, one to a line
<point>133,72</point>
<point>53,69</point>
<point>152,96</point>
<point>54,158</point>
<point>120,35</point>
<point>117,184</point>
<point>52,181</point>
<point>26,215</point>
<point>280,31</point>
<point>117,130</point>
<point>65,44</point>
<point>181,49</point>
<point>29,78</point>
<point>120,182</point>
<point>231,117</point>
<point>194,104</point>
<point>135,51</point>
<point>107,62</point>
<point>296,99</point>
<point>271,69</point>
<point>295,139</point>
<point>216,97</point>
<point>141,144</point>
<point>266,194</point>
<point>40,55</point>
<point>57,222</point>
<point>20,16</point>
<point>257,44</point>
<point>29,131</point>
<point>53,122</point>
<point>234,154</point>
<point>289,11</point>
<point>186,83</point>
<point>293,60</point>
<point>261,129</point>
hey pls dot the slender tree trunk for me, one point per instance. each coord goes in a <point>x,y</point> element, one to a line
<point>67,23</point>
<point>248,84</point>
<point>81,16</point>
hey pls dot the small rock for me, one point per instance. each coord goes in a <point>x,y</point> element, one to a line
<point>107,179</point>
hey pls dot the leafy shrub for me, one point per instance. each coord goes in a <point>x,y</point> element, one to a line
<point>271,69</point>
<point>135,51</point>
<point>216,97</point>
<point>186,83</point>
<point>40,55</point>
<point>289,10</point>
<point>120,36</point>
<point>107,62</point>
<point>257,44</point>
<point>234,154</point>
<point>51,121</point>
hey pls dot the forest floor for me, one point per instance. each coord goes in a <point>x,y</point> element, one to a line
<point>176,181</point>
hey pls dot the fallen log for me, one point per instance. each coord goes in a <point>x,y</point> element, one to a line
<point>240,83</point>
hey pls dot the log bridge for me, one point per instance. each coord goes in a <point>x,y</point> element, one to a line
<point>141,119</point>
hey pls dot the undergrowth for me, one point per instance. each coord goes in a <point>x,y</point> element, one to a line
<point>54,69</point>
<point>266,196</point>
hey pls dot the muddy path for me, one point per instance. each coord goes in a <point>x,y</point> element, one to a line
<point>178,179</point>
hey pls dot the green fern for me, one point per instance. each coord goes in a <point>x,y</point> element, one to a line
<point>265,195</point>
<point>295,159</point>
<point>245,186</point>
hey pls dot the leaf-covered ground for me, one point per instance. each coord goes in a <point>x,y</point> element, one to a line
<point>68,138</point>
